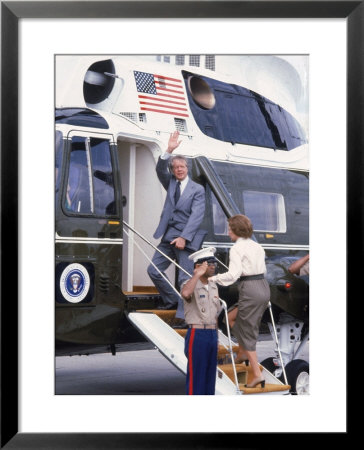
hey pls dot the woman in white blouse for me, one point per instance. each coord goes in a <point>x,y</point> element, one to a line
<point>247,266</point>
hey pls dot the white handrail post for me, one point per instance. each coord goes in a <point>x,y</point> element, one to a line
<point>224,305</point>
<point>277,342</point>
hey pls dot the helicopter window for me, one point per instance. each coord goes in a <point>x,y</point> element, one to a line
<point>103,180</point>
<point>219,217</point>
<point>78,197</point>
<point>266,210</point>
<point>90,187</point>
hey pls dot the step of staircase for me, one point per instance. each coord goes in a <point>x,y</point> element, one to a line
<point>268,388</point>
<point>162,313</point>
<point>222,351</point>
<point>245,376</point>
<point>182,332</point>
<point>241,372</point>
<point>229,370</point>
<point>169,315</point>
<point>143,290</point>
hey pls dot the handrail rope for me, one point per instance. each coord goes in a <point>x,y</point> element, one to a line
<point>156,248</point>
<point>224,305</point>
<point>220,262</point>
<point>164,276</point>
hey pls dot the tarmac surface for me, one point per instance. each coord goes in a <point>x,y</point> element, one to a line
<point>143,372</point>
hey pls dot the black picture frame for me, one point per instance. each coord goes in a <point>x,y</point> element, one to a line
<point>11,13</point>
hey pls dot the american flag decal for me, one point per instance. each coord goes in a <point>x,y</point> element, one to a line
<point>161,94</point>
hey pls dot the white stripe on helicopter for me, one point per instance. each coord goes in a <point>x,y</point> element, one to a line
<point>81,240</point>
<point>266,246</point>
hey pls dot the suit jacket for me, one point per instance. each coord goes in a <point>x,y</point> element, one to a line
<point>186,216</point>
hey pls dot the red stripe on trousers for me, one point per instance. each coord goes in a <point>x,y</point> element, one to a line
<point>192,336</point>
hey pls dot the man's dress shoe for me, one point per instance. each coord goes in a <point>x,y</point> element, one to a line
<point>182,325</point>
<point>167,307</point>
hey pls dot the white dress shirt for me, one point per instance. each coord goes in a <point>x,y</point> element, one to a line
<point>247,257</point>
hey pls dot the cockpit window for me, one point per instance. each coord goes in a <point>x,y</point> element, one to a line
<point>266,211</point>
<point>90,187</point>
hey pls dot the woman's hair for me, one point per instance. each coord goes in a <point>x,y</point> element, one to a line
<point>241,225</point>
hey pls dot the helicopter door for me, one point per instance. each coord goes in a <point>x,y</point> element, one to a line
<point>89,223</point>
<point>144,203</point>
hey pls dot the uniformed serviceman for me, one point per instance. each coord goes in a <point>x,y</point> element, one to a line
<point>202,308</point>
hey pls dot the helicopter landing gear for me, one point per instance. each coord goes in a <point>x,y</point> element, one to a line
<point>289,332</point>
<point>298,376</point>
<point>297,372</point>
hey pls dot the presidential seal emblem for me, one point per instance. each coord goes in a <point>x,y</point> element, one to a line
<point>74,283</point>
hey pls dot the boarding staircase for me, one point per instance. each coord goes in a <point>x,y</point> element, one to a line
<point>158,327</point>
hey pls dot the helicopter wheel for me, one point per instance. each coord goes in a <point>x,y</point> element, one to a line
<point>269,365</point>
<point>298,377</point>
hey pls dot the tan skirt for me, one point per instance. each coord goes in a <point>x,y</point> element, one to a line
<point>254,297</point>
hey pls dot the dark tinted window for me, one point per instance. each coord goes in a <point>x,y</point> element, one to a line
<point>103,181</point>
<point>276,200</point>
<point>266,211</point>
<point>242,116</point>
<point>78,196</point>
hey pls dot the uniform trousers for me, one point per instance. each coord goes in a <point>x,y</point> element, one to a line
<point>201,353</point>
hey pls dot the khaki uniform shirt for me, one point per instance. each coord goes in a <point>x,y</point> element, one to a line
<point>204,307</point>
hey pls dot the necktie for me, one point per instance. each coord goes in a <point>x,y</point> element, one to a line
<point>177,193</point>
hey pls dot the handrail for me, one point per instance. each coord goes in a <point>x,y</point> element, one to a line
<point>220,262</point>
<point>156,248</point>
<point>224,305</point>
<point>217,186</point>
<point>277,342</point>
<point>164,276</point>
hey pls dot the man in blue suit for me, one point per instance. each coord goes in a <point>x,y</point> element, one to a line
<point>179,224</point>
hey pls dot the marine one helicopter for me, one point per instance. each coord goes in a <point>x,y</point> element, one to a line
<point>113,118</point>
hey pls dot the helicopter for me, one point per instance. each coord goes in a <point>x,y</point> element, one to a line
<point>113,117</point>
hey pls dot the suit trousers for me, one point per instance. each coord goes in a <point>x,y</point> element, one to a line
<point>168,294</point>
<point>201,353</point>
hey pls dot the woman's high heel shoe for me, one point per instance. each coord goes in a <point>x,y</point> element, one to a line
<point>255,382</point>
